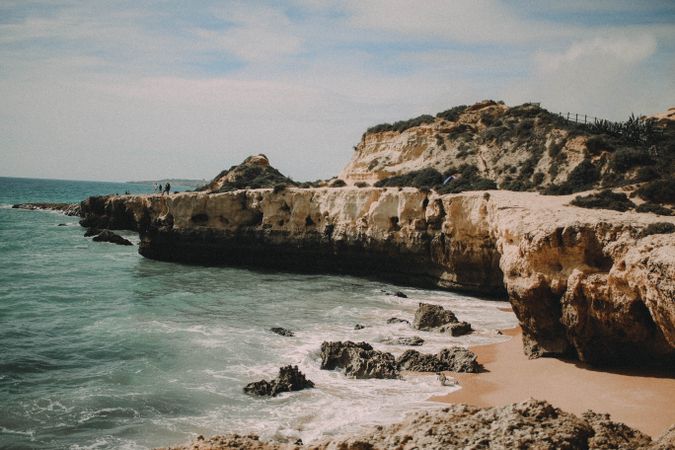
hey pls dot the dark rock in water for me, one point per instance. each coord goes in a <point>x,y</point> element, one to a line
<point>69,209</point>
<point>434,317</point>
<point>414,341</point>
<point>62,225</point>
<point>397,320</point>
<point>400,294</point>
<point>109,236</point>
<point>428,317</point>
<point>455,359</point>
<point>358,359</point>
<point>289,379</point>
<point>92,232</point>
<point>420,362</point>
<point>459,359</point>
<point>282,331</point>
<point>358,326</point>
<point>456,329</point>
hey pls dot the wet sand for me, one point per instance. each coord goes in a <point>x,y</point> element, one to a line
<point>640,399</point>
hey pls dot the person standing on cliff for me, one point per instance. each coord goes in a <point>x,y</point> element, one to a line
<point>160,188</point>
<point>167,188</point>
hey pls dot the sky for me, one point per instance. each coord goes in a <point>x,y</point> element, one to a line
<point>149,89</point>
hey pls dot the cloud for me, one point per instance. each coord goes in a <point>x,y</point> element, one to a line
<point>599,52</point>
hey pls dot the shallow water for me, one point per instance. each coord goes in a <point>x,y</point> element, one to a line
<point>102,348</point>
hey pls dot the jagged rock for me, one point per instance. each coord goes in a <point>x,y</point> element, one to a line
<point>92,232</point>
<point>532,424</point>
<point>434,317</point>
<point>62,225</point>
<point>456,329</point>
<point>420,362</point>
<point>289,379</point>
<point>459,359</point>
<point>397,320</point>
<point>109,236</point>
<point>358,326</point>
<point>414,341</point>
<point>400,294</point>
<point>358,359</point>
<point>428,317</point>
<point>282,331</point>
<point>455,359</point>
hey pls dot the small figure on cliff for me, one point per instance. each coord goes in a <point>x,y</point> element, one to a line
<point>167,188</point>
<point>160,188</point>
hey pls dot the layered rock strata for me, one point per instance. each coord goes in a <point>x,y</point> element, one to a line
<point>585,283</point>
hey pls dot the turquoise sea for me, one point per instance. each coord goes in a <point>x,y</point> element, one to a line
<point>101,348</point>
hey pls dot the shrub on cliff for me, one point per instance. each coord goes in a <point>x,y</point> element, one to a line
<point>338,183</point>
<point>401,125</point>
<point>417,178</point>
<point>658,191</point>
<point>658,228</point>
<point>452,114</point>
<point>604,200</point>
<point>581,178</point>
<point>467,178</point>
<point>627,158</point>
<point>654,208</point>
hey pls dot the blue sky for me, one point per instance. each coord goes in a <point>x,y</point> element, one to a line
<point>147,89</point>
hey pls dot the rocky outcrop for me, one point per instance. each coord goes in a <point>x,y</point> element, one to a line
<point>359,360</point>
<point>454,359</point>
<point>434,317</point>
<point>529,424</point>
<point>109,236</point>
<point>289,379</point>
<point>69,209</point>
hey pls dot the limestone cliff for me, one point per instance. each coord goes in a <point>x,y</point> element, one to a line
<point>590,283</point>
<point>520,148</point>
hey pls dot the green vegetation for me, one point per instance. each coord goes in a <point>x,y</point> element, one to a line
<point>582,178</point>
<point>361,184</point>
<point>604,200</point>
<point>452,114</point>
<point>658,191</point>
<point>338,183</point>
<point>465,178</point>
<point>658,228</point>
<point>247,176</point>
<point>654,208</point>
<point>626,158</point>
<point>401,125</point>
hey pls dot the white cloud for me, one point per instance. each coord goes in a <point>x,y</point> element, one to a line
<point>599,51</point>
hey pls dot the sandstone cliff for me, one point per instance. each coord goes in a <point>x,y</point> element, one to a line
<point>521,148</point>
<point>589,283</point>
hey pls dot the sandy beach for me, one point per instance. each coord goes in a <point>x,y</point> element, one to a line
<point>641,399</point>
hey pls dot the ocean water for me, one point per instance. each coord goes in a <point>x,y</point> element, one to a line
<point>103,349</point>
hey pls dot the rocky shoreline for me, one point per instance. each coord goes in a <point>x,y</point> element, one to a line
<point>589,284</point>
<point>528,424</point>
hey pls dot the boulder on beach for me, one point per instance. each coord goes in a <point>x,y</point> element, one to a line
<point>282,331</point>
<point>359,360</point>
<point>289,379</point>
<point>454,359</point>
<point>430,317</point>
<point>109,236</point>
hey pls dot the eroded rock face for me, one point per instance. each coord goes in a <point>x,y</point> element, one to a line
<point>113,238</point>
<point>359,360</point>
<point>533,424</point>
<point>289,379</point>
<point>434,317</point>
<point>413,341</point>
<point>282,331</point>
<point>582,282</point>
